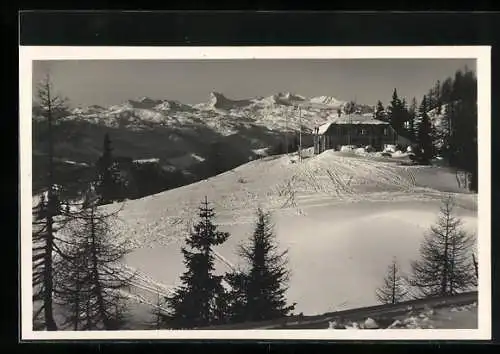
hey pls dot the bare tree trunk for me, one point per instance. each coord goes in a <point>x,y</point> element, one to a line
<point>48,286</point>
<point>49,246</point>
<point>158,313</point>
<point>393,284</point>
<point>444,280</point>
<point>474,262</point>
<point>458,179</point>
<point>76,320</point>
<point>452,267</point>
<point>96,279</point>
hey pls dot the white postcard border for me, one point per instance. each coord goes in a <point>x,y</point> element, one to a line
<point>28,54</point>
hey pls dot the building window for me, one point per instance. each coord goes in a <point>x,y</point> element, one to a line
<point>364,132</point>
<point>386,131</point>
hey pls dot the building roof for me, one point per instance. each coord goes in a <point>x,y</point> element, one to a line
<point>353,119</point>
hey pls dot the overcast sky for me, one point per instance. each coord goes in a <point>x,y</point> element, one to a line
<point>107,82</point>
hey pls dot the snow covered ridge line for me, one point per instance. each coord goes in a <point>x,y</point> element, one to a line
<point>323,321</point>
<point>221,113</point>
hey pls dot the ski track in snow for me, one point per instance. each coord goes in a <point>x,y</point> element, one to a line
<point>276,185</point>
<point>332,192</point>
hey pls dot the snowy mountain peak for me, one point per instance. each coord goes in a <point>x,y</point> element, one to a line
<point>217,98</point>
<point>143,102</point>
<point>92,109</point>
<point>219,101</point>
<point>290,96</point>
<point>220,113</point>
<point>328,100</point>
<point>146,99</point>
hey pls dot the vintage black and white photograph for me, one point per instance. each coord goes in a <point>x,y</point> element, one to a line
<point>215,193</point>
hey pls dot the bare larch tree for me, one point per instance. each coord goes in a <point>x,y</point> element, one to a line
<point>445,267</point>
<point>49,107</point>
<point>393,290</point>
<point>90,282</point>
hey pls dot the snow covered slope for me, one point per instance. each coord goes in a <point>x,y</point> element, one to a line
<point>342,218</point>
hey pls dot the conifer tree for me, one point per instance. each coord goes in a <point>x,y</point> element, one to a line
<point>89,280</point>
<point>198,301</point>
<point>380,113</point>
<point>405,116</point>
<point>457,92</point>
<point>396,113</point>
<point>438,98</point>
<point>51,107</point>
<point>39,257</point>
<point>393,290</point>
<point>424,132</point>
<point>446,90</point>
<point>466,124</point>
<point>237,297</point>
<point>108,179</point>
<point>445,266</point>
<point>259,293</point>
<point>458,133</point>
<point>412,115</point>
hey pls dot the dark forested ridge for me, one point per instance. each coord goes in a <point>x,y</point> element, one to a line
<point>445,122</point>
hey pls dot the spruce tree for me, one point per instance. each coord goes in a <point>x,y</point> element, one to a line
<point>424,132</point>
<point>458,131</point>
<point>468,115</point>
<point>445,266</point>
<point>405,116</point>
<point>460,128</point>
<point>393,290</point>
<point>108,178</point>
<point>446,90</point>
<point>198,301</point>
<point>412,115</point>
<point>89,280</point>
<point>446,133</point>
<point>259,293</point>
<point>438,98</point>
<point>237,296</point>
<point>396,113</point>
<point>380,113</point>
<point>457,92</point>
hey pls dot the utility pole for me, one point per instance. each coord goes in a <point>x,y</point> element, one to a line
<point>352,105</point>
<point>349,125</point>
<point>300,133</point>
<point>286,131</point>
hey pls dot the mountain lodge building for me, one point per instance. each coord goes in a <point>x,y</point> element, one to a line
<point>357,130</point>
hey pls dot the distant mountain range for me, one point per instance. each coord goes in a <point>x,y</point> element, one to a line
<point>173,132</point>
<point>219,113</point>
